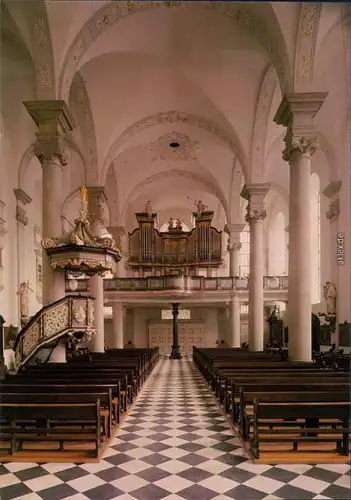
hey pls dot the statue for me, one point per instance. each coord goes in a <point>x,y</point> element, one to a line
<point>329,292</point>
<point>200,206</point>
<point>179,225</point>
<point>23,294</point>
<point>148,207</point>
<point>170,224</point>
<point>275,314</point>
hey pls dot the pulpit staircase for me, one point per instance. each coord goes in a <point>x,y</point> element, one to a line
<point>71,317</point>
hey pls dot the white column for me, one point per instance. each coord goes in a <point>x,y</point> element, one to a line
<point>58,355</point>
<point>234,245</point>
<point>296,112</point>
<point>117,325</point>
<point>234,318</point>
<point>96,199</point>
<point>256,213</point>
<point>53,119</point>
<point>97,291</point>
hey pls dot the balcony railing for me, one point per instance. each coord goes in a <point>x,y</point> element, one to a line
<point>182,284</point>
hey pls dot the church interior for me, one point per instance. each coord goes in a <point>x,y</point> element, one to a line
<point>175,316</point>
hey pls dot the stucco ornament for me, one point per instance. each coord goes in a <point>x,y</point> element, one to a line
<point>113,12</point>
<point>306,40</point>
<point>255,215</point>
<point>42,52</point>
<point>306,145</point>
<point>50,146</point>
<point>174,146</point>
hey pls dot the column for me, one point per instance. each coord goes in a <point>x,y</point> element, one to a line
<point>234,245</point>
<point>175,354</point>
<point>296,112</point>
<point>97,291</point>
<point>287,250</point>
<point>96,199</point>
<point>255,216</point>
<point>234,319</point>
<point>54,120</point>
<point>118,234</point>
<point>2,349</point>
<point>117,325</point>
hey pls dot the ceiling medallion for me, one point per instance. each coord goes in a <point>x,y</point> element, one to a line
<point>174,146</point>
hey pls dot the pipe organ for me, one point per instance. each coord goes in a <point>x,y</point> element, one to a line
<point>175,251</point>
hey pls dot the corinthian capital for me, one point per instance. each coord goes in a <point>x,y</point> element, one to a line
<point>54,120</point>
<point>255,215</point>
<point>234,247</point>
<point>50,146</point>
<point>304,144</point>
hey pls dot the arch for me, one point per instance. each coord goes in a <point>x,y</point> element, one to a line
<point>263,110</point>
<point>41,48</point>
<point>110,14</point>
<point>315,231</point>
<point>29,154</point>
<point>173,116</point>
<point>215,191</point>
<point>306,42</point>
<point>81,101</point>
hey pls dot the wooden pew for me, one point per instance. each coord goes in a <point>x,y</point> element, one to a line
<point>16,435</point>
<point>247,398</point>
<point>274,412</point>
<point>264,385</point>
<point>106,409</point>
<point>47,386</point>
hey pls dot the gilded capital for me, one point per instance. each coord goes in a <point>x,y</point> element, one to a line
<point>255,215</point>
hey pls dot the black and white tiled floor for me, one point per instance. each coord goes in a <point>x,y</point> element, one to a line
<point>175,445</point>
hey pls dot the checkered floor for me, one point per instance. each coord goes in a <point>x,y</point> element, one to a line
<point>175,445</point>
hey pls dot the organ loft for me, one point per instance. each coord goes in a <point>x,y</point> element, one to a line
<point>175,252</point>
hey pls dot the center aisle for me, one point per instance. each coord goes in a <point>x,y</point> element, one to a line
<point>175,444</point>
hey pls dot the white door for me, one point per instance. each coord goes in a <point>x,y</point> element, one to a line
<point>160,334</point>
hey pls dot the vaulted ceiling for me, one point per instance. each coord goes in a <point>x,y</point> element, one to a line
<point>174,101</point>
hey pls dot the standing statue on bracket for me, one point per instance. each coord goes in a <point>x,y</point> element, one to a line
<point>23,296</point>
<point>179,225</point>
<point>148,208</point>
<point>200,206</point>
<point>171,224</point>
<point>329,292</point>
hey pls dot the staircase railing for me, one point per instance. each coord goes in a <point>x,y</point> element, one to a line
<point>70,314</point>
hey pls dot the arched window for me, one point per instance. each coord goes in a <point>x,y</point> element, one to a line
<point>244,252</point>
<point>277,247</point>
<point>315,232</point>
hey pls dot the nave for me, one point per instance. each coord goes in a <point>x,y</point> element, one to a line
<point>175,444</point>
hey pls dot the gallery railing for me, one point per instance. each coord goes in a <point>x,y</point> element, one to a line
<point>185,284</point>
<point>71,314</point>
